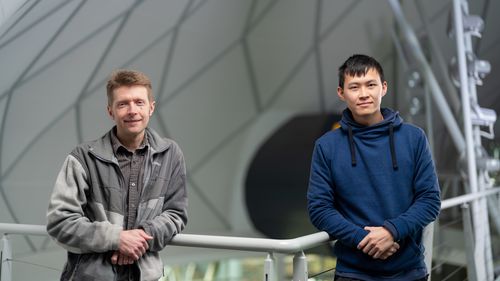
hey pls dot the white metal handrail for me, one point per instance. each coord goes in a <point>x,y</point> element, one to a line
<point>286,246</point>
<point>27,229</point>
<point>455,201</point>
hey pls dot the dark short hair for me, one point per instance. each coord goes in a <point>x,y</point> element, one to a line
<point>358,65</point>
<point>127,78</point>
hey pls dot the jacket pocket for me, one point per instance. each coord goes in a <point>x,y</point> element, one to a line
<point>94,267</point>
<point>151,266</point>
<point>149,209</point>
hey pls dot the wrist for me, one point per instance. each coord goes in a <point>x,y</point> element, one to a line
<point>391,229</point>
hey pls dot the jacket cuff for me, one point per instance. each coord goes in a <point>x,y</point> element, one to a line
<point>392,229</point>
<point>115,237</point>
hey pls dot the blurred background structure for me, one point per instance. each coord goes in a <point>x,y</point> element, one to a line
<point>245,87</point>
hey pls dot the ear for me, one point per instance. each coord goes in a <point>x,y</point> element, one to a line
<point>384,88</point>
<point>340,93</point>
<point>151,107</point>
<point>110,112</point>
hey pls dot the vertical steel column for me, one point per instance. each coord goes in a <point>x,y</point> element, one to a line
<point>6,265</point>
<point>482,255</point>
<point>426,71</point>
<point>269,268</point>
<point>428,234</point>
<point>300,267</point>
<point>428,238</point>
<point>469,243</point>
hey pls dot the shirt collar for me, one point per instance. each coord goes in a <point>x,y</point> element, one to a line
<point>117,145</point>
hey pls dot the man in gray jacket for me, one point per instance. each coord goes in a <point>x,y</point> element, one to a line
<point>120,199</point>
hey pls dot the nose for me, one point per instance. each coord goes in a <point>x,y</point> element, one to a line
<point>132,109</point>
<point>363,93</point>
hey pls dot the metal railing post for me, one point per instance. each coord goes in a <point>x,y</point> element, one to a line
<point>300,267</point>
<point>428,239</point>
<point>6,266</point>
<point>469,242</point>
<point>269,268</point>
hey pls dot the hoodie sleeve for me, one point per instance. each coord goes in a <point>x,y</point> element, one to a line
<point>427,203</point>
<point>173,217</point>
<point>321,205</point>
<point>66,220</point>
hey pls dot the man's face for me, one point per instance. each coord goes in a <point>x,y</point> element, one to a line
<point>363,96</point>
<point>131,109</point>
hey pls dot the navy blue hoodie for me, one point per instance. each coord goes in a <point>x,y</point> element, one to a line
<point>379,175</point>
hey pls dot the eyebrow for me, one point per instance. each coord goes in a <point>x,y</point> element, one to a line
<point>362,82</point>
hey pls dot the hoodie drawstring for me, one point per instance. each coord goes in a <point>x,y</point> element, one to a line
<point>393,150</point>
<point>391,144</point>
<point>351,145</point>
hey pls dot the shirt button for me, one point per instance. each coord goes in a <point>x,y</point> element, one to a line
<point>132,184</point>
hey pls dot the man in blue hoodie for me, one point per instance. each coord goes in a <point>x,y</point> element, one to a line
<point>373,184</point>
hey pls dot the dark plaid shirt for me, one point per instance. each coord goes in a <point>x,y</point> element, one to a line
<point>131,166</point>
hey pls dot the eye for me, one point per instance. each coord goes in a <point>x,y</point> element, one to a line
<point>140,102</point>
<point>353,88</point>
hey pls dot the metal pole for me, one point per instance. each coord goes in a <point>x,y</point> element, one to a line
<point>428,238</point>
<point>429,117</point>
<point>452,94</point>
<point>469,243</point>
<point>269,268</point>
<point>428,233</point>
<point>6,266</point>
<point>467,92</point>
<point>300,267</point>
<point>423,65</point>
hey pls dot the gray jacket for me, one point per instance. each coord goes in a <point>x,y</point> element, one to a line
<point>87,207</point>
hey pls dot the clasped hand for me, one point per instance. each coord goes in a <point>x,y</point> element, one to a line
<point>378,243</point>
<point>133,244</point>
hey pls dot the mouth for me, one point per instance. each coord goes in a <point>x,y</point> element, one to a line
<point>363,104</point>
<point>132,121</point>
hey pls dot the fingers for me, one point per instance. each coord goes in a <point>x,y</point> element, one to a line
<point>123,259</point>
<point>114,258</point>
<point>376,254</point>
<point>134,243</point>
<point>389,252</point>
<point>363,242</point>
<point>369,228</point>
<point>145,235</point>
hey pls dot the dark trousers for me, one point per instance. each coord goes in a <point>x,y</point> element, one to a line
<point>338,278</point>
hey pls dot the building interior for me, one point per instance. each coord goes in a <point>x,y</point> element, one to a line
<point>245,88</point>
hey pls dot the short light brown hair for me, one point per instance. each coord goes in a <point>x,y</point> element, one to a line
<point>127,78</point>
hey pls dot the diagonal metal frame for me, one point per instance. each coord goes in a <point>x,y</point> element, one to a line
<point>100,61</point>
<point>318,57</point>
<point>20,18</point>
<point>9,98</point>
<point>314,50</point>
<point>33,24</point>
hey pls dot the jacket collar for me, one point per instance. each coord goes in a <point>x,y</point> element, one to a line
<point>103,147</point>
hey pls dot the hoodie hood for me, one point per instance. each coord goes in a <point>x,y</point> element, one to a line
<point>392,121</point>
